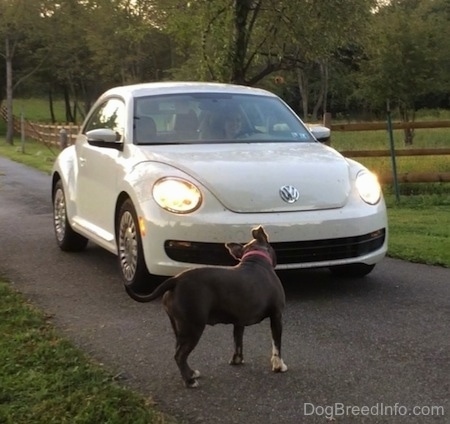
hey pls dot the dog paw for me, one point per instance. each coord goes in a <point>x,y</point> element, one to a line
<point>236,360</point>
<point>192,383</point>
<point>278,365</point>
<point>195,374</point>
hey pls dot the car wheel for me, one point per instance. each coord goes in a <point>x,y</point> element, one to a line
<point>136,278</point>
<point>351,270</point>
<point>67,239</point>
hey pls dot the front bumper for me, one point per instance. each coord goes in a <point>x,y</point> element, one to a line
<point>288,253</point>
<point>309,239</point>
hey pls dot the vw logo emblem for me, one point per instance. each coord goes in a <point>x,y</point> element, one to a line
<point>289,194</point>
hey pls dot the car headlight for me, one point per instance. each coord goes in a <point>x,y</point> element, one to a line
<point>177,195</point>
<point>368,187</point>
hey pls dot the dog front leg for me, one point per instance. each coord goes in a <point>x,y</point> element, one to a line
<point>238,335</point>
<point>277,328</point>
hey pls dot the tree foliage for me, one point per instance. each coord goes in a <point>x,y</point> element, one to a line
<point>405,59</point>
<point>244,40</point>
<point>20,29</point>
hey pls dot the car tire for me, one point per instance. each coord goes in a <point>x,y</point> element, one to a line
<point>351,270</point>
<point>136,278</point>
<point>68,240</point>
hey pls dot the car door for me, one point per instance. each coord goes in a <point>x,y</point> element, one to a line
<point>98,170</point>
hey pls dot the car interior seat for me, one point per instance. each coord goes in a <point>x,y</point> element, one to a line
<point>144,129</point>
<point>186,125</point>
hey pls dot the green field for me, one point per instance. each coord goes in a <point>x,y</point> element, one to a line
<point>379,140</point>
<point>38,110</point>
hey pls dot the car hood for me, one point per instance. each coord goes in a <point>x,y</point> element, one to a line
<point>247,178</point>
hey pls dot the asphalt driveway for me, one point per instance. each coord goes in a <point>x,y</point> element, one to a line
<point>374,350</point>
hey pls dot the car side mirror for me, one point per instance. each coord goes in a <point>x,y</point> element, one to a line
<point>320,133</point>
<point>105,137</point>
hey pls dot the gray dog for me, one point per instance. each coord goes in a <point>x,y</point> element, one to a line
<point>241,295</point>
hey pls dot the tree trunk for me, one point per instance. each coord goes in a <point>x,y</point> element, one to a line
<point>325,88</point>
<point>302,82</point>
<point>9,92</point>
<point>50,103</point>
<point>239,47</point>
<point>69,116</point>
<point>408,133</point>
<point>323,92</point>
<point>408,136</point>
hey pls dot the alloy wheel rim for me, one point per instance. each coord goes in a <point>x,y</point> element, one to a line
<point>128,246</point>
<point>59,216</point>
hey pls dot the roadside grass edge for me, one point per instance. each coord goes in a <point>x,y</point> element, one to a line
<point>45,379</point>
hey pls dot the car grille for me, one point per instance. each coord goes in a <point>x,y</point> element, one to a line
<point>287,252</point>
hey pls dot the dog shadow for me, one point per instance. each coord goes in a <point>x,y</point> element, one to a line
<point>316,284</point>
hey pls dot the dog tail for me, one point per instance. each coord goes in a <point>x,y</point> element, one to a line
<point>167,285</point>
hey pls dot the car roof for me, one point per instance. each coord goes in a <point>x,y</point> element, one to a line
<point>159,88</point>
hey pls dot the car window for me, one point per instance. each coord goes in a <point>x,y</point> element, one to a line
<point>110,114</point>
<point>203,117</point>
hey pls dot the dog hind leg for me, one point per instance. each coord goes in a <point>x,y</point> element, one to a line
<point>276,326</point>
<point>187,339</point>
<point>238,335</point>
<point>168,306</point>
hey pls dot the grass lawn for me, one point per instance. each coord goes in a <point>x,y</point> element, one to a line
<point>38,110</point>
<point>31,153</point>
<point>419,231</point>
<point>44,379</point>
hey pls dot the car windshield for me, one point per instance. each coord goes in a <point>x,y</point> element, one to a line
<point>215,117</point>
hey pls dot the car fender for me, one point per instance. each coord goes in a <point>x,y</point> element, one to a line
<point>355,167</point>
<point>66,169</point>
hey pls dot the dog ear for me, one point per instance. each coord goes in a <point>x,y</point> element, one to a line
<point>273,255</point>
<point>236,250</point>
<point>260,235</point>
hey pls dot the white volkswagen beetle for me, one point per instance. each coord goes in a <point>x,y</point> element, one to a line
<point>163,174</point>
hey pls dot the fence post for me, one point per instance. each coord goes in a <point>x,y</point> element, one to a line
<point>22,132</point>
<point>392,147</point>
<point>62,138</point>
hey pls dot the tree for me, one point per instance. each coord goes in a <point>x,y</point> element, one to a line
<point>403,57</point>
<point>245,41</point>
<point>317,31</point>
<point>225,40</point>
<point>125,40</point>
<point>119,42</point>
<point>20,21</point>
<point>69,70</point>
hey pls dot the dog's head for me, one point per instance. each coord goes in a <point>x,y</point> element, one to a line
<point>260,243</point>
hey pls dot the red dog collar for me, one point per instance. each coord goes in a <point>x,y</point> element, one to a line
<point>258,253</point>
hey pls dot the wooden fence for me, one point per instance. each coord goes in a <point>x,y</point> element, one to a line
<point>50,135</point>
<point>406,177</point>
<point>374,126</point>
<point>409,177</point>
